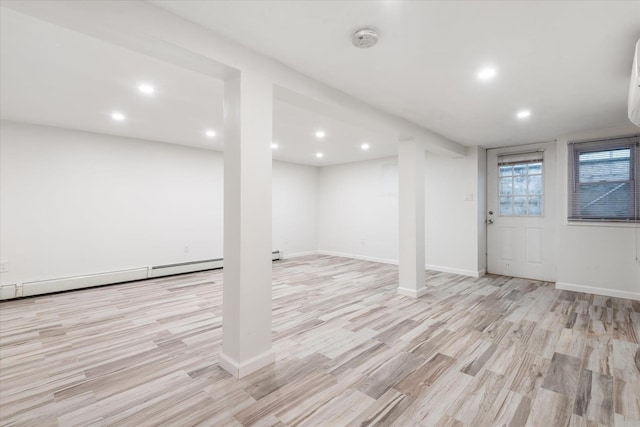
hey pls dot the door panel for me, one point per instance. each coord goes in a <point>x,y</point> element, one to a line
<point>521,211</point>
<point>508,242</point>
<point>533,236</point>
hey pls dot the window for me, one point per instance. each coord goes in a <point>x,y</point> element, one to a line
<point>603,180</point>
<point>520,184</point>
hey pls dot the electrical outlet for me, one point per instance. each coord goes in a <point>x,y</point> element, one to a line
<point>4,266</point>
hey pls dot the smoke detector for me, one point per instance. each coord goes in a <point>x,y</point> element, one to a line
<point>364,38</point>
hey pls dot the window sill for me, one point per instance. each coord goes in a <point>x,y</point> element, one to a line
<point>610,224</point>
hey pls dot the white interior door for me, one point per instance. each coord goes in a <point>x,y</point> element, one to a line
<point>521,211</point>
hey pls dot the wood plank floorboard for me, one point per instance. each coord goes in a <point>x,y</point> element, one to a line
<point>350,351</point>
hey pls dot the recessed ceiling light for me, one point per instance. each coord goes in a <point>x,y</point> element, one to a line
<point>274,145</point>
<point>117,116</point>
<point>319,155</point>
<point>523,114</point>
<point>210,133</point>
<point>146,88</point>
<point>487,73</point>
<point>320,134</point>
<point>365,146</point>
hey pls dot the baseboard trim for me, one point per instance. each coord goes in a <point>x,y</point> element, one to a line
<point>47,286</point>
<point>598,291</point>
<point>360,257</point>
<point>298,254</point>
<point>10,291</point>
<point>461,272</point>
<point>470,273</point>
<point>79,282</point>
<point>413,293</point>
<point>242,369</point>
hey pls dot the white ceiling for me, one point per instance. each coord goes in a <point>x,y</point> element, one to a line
<point>54,76</point>
<point>568,62</point>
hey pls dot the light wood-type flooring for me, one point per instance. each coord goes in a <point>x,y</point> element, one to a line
<point>350,352</point>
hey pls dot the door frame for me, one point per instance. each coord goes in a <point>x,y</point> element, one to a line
<point>551,180</point>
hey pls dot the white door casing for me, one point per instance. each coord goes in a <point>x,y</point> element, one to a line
<point>521,241</point>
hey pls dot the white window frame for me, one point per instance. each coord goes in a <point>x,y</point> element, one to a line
<point>575,149</point>
<point>536,156</point>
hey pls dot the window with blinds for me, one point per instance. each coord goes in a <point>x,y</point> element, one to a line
<point>520,185</point>
<point>604,180</point>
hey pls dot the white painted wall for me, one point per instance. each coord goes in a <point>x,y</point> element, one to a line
<point>453,230</point>
<point>295,208</point>
<point>357,219</point>
<point>358,210</point>
<point>359,216</point>
<point>595,257</point>
<point>74,203</point>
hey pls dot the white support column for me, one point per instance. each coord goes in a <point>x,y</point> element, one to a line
<point>246,330</point>
<point>411,202</point>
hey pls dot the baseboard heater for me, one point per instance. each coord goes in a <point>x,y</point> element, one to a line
<point>184,267</point>
<point>87,281</point>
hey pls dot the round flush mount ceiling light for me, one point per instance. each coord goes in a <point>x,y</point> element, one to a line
<point>274,145</point>
<point>365,146</point>
<point>210,133</point>
<point>523,114</point>
<point>319,155</point>
<point>365,38</point>
<point>320,134</point>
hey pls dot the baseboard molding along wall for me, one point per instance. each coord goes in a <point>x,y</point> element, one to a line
<point>461,272</point>
<point>285,255</point>
<point>470,273</point>
<point>18,290</point>
<point>360,257</point>
<point>79,282</point>
<point>598,291</point>
<point>41,287</point>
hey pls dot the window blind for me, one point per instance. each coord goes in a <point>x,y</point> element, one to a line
<point>604,181</point>
<point>515,158</point>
